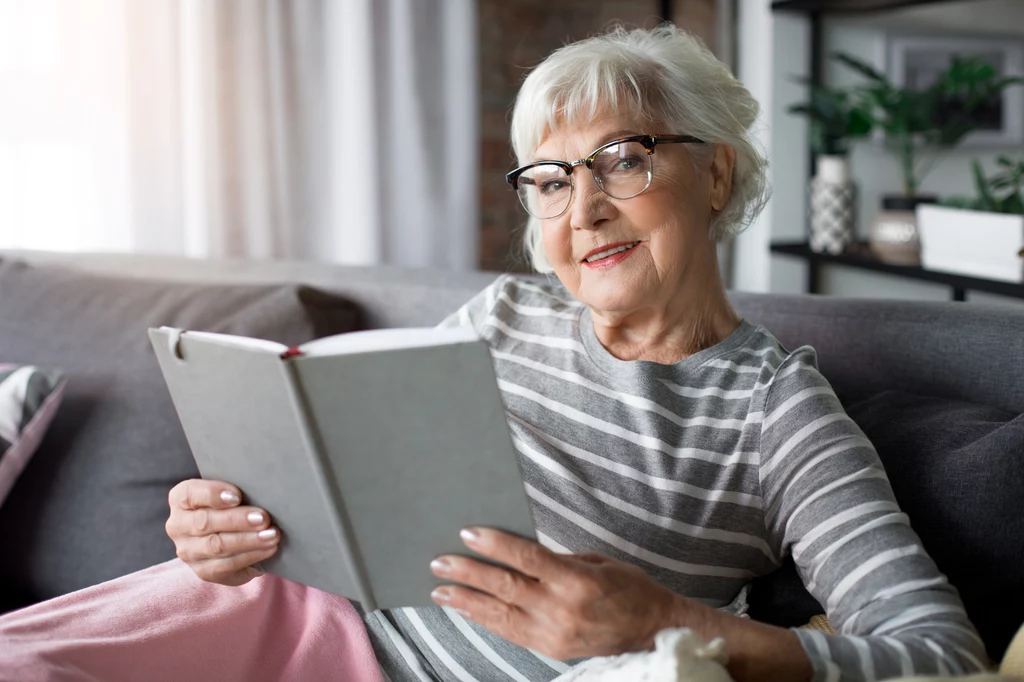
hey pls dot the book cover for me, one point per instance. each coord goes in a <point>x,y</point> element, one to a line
<point>370,452</point>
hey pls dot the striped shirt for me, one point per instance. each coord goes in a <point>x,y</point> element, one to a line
<point>705,473</point>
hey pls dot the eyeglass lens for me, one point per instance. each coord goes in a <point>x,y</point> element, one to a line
<point>621,171</point>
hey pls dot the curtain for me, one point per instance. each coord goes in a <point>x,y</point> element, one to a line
<point>404,113</point>
<point>333,130</point>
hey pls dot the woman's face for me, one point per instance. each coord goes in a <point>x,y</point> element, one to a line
<point>668,223</point>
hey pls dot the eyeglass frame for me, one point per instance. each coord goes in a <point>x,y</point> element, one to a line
<point>648,141</point>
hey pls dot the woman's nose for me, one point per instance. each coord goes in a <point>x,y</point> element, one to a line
<point>590,206</point>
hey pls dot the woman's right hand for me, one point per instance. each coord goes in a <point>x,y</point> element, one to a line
<point>219,539</point>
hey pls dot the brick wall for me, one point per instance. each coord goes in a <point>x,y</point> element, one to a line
<point>515,35</point>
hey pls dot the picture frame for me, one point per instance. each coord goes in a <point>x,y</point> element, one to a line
<point>916,60</point>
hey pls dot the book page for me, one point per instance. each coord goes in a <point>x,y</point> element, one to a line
<point>235,341</point>
<point>386,339</point>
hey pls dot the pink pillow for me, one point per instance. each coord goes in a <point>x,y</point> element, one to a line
<point>29,397</point>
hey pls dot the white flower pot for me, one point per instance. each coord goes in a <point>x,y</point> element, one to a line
<point>975,243</point>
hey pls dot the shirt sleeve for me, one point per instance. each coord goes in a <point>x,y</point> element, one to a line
<point>828,502</point>
<point>474,313</point>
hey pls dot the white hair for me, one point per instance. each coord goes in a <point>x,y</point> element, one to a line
<point>665,76</point>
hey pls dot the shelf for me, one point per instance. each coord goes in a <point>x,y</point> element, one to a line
<point>846,6</point>
<point>860,256</point>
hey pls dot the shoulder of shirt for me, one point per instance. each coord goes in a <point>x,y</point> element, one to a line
<point>763,347</point>
<point>533,292</point>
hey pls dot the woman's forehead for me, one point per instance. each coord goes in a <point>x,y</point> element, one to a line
<point>575,140</point>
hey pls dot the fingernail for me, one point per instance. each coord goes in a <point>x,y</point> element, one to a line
<point>267,534</point>
<point>441,595</point>
<point>255,518</point>
<point>469,535</point>
<point>462,612</point>
<point>440,566</point>
<point>229,497</point>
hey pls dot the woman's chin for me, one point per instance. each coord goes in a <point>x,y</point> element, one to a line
<point>613,300</point>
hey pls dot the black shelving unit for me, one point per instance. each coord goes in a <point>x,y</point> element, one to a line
<point>846,6</point>
<point>859,256</point>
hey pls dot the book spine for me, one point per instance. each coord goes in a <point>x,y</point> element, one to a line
<point>313,444</point>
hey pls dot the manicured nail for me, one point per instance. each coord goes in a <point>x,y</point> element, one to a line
<point>229,497</point>
<point>440,566</point>
<point>255,518</point>
<point>267,534</point>
<point>441,595</point>
<point>469,535</point>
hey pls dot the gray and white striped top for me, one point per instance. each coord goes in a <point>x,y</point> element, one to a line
<point>705,473</point>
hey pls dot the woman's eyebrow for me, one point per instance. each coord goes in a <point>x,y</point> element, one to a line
<point>604,139</point>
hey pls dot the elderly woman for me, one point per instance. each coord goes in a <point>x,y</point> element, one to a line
<point>671,451</point>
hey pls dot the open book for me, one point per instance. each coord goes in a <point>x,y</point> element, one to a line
<point>370,450</point>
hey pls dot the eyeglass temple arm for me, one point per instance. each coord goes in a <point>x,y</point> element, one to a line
<point>659,139</point>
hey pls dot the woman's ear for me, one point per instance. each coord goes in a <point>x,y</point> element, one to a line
<point>721,176</point>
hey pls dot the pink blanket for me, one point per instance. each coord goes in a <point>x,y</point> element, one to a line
<point>164,623</point>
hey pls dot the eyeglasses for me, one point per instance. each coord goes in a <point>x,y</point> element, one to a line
<point>622,169</point>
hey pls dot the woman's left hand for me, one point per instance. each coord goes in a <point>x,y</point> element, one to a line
<point>562,606</point>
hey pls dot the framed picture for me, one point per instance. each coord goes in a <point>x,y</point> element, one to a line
<point>916,61</point>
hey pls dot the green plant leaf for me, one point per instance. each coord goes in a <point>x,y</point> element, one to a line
<point>964,203</point>
<point>860,123</point>
<point>985,199</point>
<point>1013,204</point>
<point>860,67</point>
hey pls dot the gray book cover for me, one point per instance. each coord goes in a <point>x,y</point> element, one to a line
<point>370,450</point>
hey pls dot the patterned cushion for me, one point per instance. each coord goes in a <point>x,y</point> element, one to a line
<point>29,397</point>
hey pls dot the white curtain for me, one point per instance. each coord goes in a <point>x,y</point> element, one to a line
<point>405,133</point>
<point>336,130</point>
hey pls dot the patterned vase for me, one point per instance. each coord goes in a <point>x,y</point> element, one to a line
<point>832,205</point>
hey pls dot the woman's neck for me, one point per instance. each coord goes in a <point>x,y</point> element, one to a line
<point>697,317</point>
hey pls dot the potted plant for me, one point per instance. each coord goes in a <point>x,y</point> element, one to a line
<point>921,125</point>
<point>982,236</point>
<point>836,119</point>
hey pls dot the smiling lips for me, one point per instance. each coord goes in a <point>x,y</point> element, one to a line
<point>609,256</point>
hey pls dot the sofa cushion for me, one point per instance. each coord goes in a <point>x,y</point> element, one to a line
<point>957,470</point>
<point>91,505</point>
<point>29,397</point>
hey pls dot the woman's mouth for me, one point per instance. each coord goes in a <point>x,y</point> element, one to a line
<point>611,256</point>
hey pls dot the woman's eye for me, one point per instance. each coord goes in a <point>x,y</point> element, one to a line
<point>552,186</point>
<point>628,163</point>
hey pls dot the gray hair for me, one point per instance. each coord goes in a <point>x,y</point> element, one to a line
<point>663,75</point>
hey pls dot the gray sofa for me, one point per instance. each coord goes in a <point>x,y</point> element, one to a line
<point>939,388</point>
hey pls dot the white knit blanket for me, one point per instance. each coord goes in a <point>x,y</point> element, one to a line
<point>679,656</point>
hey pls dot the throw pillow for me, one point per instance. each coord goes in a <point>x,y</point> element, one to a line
<point>957,470</point>
<point>29,397</point>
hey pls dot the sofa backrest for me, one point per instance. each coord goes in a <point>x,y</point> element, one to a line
<point>960,351</point>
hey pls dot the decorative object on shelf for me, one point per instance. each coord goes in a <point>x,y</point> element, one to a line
<point>914,62</point>
<point>836,120</point>
<point>981,236</point>
<point>894,236</point>
<point>832,205</point>
<point>917,123</point>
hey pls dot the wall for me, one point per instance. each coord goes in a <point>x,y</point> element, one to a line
<point>514,37</point>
